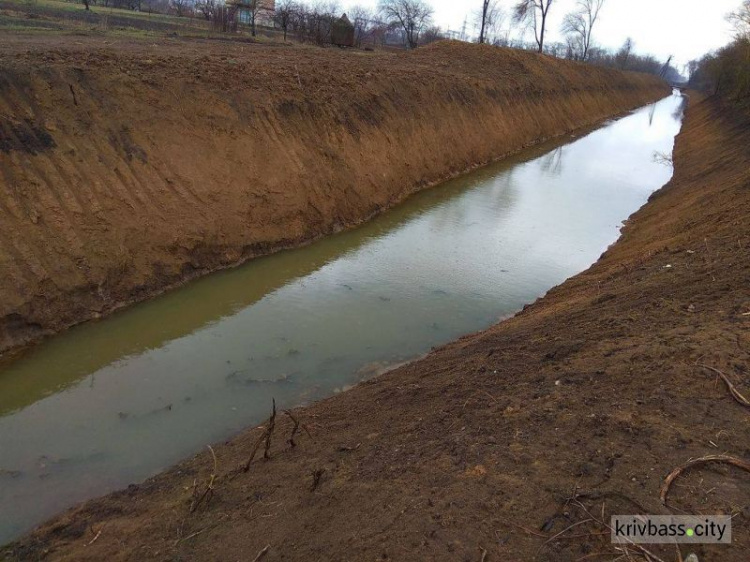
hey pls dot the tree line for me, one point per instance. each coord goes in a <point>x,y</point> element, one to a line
<point>410,23</point>
<point>726,73</point>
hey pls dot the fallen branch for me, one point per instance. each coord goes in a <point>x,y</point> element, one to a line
<point>732,389</point>
<point>265,436</point>
<point>192,536</point>
<point>262,553</point>
<point>295,429</point>
<point>96,537</point>
<point>724,459</point>
<point>269,432</point>
<point>209,491</point>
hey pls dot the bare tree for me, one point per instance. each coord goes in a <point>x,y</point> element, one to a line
<point>740,18</point>
<point>206,8</point>
<point>179,6</point>
<point>361,19</point>
<point>411,15</point>
<point>579,25</point>
<point>286,10</point>
<point>489,19</point>
<point>431,34</point>
<point>483,24</point>
<point>533,12</point>
<point>623,55</point>
<point>253,7</point>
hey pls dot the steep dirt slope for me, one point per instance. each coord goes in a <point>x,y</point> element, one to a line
<point>126,170</point>
<point>579,406</point>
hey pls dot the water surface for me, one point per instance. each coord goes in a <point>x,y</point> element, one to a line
<point>113,402</point>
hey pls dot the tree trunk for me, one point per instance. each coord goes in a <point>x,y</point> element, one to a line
<point>485,7</point>
<point>541,35</point>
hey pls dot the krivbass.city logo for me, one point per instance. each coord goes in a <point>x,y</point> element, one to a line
<point>671,529</point>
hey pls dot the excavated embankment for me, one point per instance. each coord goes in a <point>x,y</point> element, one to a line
<point>125,172</point>
<point>514,444</point>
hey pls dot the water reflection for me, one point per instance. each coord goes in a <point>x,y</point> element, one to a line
<point>113,402</point>
<point>552,163</point>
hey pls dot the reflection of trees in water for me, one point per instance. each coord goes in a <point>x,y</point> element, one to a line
<point>663,158</point>
<point>497,195</point>
<point>551,163</point>
<point>504,194</point>
<point>679,111</point>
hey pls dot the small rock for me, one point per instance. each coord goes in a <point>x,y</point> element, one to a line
<point>692,558</point>
<point>691,308</point>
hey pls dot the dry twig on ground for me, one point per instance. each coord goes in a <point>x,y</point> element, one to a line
<point>262,553</point>
<point>724,459</point>
<point>732,389</point>
<point>265,437</point>
<point>295,429</point>
<point>209,491</point>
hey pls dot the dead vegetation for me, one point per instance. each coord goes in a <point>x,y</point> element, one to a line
<point>739,398</point>
<point>208,492</point>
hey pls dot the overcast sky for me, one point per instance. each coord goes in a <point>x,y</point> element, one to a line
<point>686,29</point>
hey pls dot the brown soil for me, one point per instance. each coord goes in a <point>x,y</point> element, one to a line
<point>594,392</point>
<point>128,167</point>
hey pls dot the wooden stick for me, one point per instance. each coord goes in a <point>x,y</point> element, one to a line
<point>209,491</point>
<point>262,553</point>
<point>725,459</point>
<point>98,534</point>
<point>295,429</point>
<point>732,389</point>
<point>269,432</point>
<point>265,436</point>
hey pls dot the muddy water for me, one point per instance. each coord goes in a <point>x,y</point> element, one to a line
<point>110,403</point>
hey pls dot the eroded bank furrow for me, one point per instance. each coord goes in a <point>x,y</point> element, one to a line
<point>125,174</point>
<point>498,443</point>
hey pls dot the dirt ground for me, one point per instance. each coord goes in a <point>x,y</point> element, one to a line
<point>508,445</point>
<point>128,167</point>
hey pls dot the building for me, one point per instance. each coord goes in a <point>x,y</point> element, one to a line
<point>264,11</point>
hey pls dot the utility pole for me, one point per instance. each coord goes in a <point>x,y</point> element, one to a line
<point>664,68</point>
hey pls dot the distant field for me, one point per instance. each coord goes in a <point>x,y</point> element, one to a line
<point>52,16</point>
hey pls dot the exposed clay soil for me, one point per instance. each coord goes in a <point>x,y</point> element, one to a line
<point>128,167</point>
<point>578,407</point>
